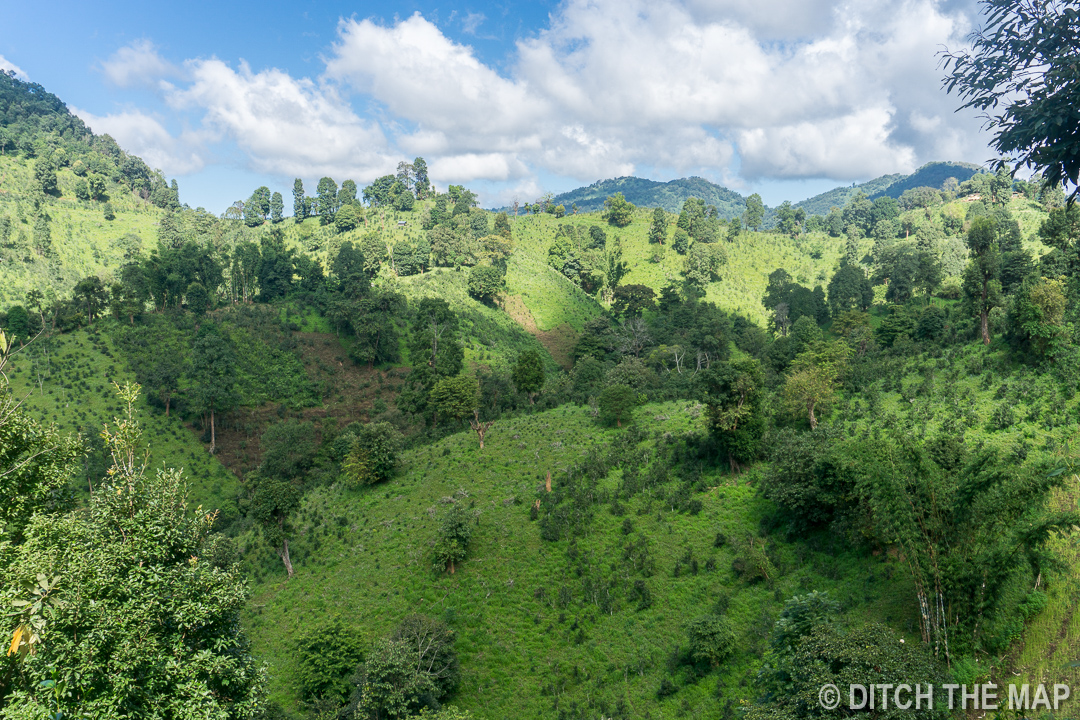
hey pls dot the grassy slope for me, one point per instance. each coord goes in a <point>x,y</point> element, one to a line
<point>366,557</point>
<point>76,394</point>
<point>750,260</point>
<point>85,243</point>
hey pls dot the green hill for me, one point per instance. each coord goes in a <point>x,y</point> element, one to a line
<point>929,175</point>
<point>651,194</point>
<point>56,179</point>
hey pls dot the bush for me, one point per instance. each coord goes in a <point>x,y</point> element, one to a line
<point>288,448</point>
<point>711,639</point>
<point>373,455</point>
<point>452,542</point>
<point>327,657</point>
<point>617,402</point>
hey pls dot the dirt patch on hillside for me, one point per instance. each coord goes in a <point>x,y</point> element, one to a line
<point>558,341</point>
<point>350,393</point>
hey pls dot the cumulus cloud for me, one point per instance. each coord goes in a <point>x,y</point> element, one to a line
<point>287,126</point>
<point>9,66</point>
<point>138,65</point>
<point>145,135</point>
<point>730,89</point>
<point>612,85</point>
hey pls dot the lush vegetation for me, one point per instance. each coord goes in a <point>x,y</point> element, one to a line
<point>679,454</point>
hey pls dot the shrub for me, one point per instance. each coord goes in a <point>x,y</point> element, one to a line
<point>373,455</point>
<point>327,657</point>
<point>711,639</point>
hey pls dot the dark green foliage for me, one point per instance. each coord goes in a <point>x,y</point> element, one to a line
<point>452,540</point>
<point>288,449</point>
<point>1021,72</point>
<point>733,392</point>
<point>373,455</point>
<point>658,228</point>
<point>801,616</point>
<point>528,374</point>
<point>327,200</point>
<point>486,282</point>
<point>347,218</point>
<point>197,299</point>
<point>389,687</point>
<point>710,639</point>
<point>327,657</point>
<point>807,481</point>
<point>617,402</point>
<point>213,375</point>
<point>632,300</point>
<point>299,206</point>
<point>107,210</point>
<point>849,289</point>
<point>873,654</point>
<point>681,241</point>
<point>982,286</point>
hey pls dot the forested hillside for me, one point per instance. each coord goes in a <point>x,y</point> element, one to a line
<point>396,456</point>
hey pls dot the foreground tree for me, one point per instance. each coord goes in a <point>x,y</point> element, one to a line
<point>135,604</point>
<point>1021,73</point>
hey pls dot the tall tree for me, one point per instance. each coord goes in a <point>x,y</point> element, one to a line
<point>658,229</point>
<point>734,394</point>
<point>299,207</point>
<point>421,181</point>
<point>115,589</point>
<point>755,212</point>
<point>528,374</point>
<point>327,199</point>
<point>618,211</point>
<point>213,376</point>
<point>277,208</point>
<point>982,286</point>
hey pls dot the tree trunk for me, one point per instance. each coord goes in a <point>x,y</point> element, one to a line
<point>532,401</point>
<point>450,566</point>
<point>547,484</point>
<point>813,418</point>
<point>984,326</point>
<point>168,398</point>
<point>285,557</point>
<point>734,465</point>
<point>213,436</point>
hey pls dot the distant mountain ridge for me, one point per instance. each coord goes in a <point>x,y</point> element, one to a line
<point>672,194</point>
<point>930,175</point>
<point>651,193</point>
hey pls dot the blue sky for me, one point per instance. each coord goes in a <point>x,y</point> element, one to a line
<point>783,97</point>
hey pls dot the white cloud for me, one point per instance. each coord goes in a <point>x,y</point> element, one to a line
<point>7,65</point>
<point>472,23</point>
<point>138,65</point>
<point>286,126</point>
<point>145,136</point>
<point>735,90</point>
<point>612,85</point>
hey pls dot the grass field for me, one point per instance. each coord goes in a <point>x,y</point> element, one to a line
<point>531,635</point>
<point>68,380</point>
